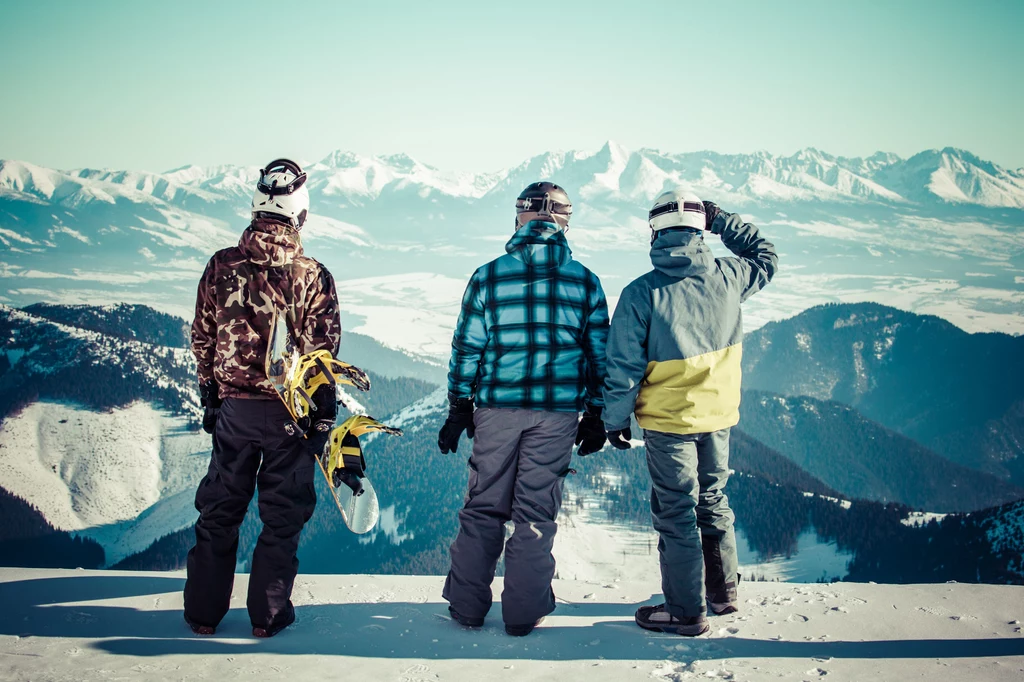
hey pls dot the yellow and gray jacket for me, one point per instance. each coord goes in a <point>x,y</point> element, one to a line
<point>675,344</point>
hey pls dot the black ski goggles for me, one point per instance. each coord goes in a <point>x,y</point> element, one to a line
<point>275,190</point>
<point>542,205</point>
<point>673,207</point>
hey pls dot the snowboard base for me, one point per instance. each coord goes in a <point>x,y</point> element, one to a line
<point>359,513</point>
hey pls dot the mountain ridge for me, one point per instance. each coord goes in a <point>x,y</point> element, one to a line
<point>948,175</point>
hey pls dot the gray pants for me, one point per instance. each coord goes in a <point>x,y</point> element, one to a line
<point>519,461</point>
<point>692,516</point>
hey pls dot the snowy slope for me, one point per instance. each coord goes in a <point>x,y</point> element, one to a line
<point>99,472</point>
<point>87,625</point>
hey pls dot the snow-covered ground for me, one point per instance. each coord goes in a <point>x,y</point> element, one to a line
<point>91,625</point>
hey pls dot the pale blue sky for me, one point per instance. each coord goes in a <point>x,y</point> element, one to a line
<point>482,85</point>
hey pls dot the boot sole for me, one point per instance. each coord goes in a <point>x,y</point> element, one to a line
<point>263,633</point>
<point>683,630</point>
<point>202,630</point>
<point>722,609</point>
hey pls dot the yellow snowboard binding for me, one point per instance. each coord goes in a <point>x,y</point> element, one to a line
<point>344,458</point>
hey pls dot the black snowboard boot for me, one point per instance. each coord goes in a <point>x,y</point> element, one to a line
<point>658,619</point>
<point>722,596</point>
<point>265,633</point>
<point>198,629</point>
<point>465,621</point>
<point>521,630</point>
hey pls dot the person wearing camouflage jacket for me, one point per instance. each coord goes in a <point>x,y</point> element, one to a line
<point>238,294</point>
<point>528,355</point>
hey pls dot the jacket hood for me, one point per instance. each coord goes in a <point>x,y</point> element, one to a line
<point>540,244</point>
<point>270,244</point>
<point>681,253</point>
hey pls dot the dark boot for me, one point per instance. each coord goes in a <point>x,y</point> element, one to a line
<point>522,630</point>
<point>266,633</point>
<point>200,629</point>
<point>658,619</point>
<point>465,621</point>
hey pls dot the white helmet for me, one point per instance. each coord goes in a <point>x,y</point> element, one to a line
<point>677,208</point>
<point>281,192</point>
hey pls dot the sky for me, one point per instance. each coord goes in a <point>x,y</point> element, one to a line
<point>480,86</point>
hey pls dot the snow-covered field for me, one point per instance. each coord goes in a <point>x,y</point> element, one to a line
<point>92,625</point>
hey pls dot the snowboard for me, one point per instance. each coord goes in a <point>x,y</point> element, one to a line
<point>359,511</point>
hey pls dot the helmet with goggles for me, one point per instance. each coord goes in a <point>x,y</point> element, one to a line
<point>543,201</point>
<point>281,193</point>
<point>677,208</point>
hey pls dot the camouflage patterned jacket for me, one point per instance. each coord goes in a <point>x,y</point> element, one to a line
<point>238,294</point>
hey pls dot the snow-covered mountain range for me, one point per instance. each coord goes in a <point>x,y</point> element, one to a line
<point>940,232</point>
<point>948,175</point>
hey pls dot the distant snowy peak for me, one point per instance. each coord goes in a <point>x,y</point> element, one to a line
<point>345,174</point>
<point>612,173</point>
<point>957,176</point>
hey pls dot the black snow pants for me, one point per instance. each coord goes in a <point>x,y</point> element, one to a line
<point>250,449</point>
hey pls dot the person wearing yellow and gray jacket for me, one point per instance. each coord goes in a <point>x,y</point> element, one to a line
<point>674,353</point>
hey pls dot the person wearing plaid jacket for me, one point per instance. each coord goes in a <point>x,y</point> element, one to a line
<point>528,356</point>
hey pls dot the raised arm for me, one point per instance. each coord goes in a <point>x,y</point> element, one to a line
<point>627,357</point>
<point>756,261</point>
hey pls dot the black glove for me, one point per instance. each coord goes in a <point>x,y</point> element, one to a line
<point>711,210</point>
<point>353,471</point>
<point>590,434</point>
<point>460,418</point>
<point>317,436</point>
<point>321,420</point>
<point>621,438</point>
<point>209,398</point>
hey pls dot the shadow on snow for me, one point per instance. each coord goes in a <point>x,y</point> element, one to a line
<point>58,607</point>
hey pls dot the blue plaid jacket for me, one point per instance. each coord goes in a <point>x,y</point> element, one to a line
<point>533,328</point>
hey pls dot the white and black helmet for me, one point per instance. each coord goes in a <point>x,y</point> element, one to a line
<point>543,201</point>
<point>281,193</point>
<point>677,208</point>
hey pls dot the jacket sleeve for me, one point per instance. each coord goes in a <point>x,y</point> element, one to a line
<point>321,325</point>
<point>204,326</point>
<point>595,342</point>
<point>468,343</point>
<point>627,357</point>
<point>756,260</point>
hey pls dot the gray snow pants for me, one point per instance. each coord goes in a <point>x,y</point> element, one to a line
<point>519,461</point>
<point>693,519</point>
